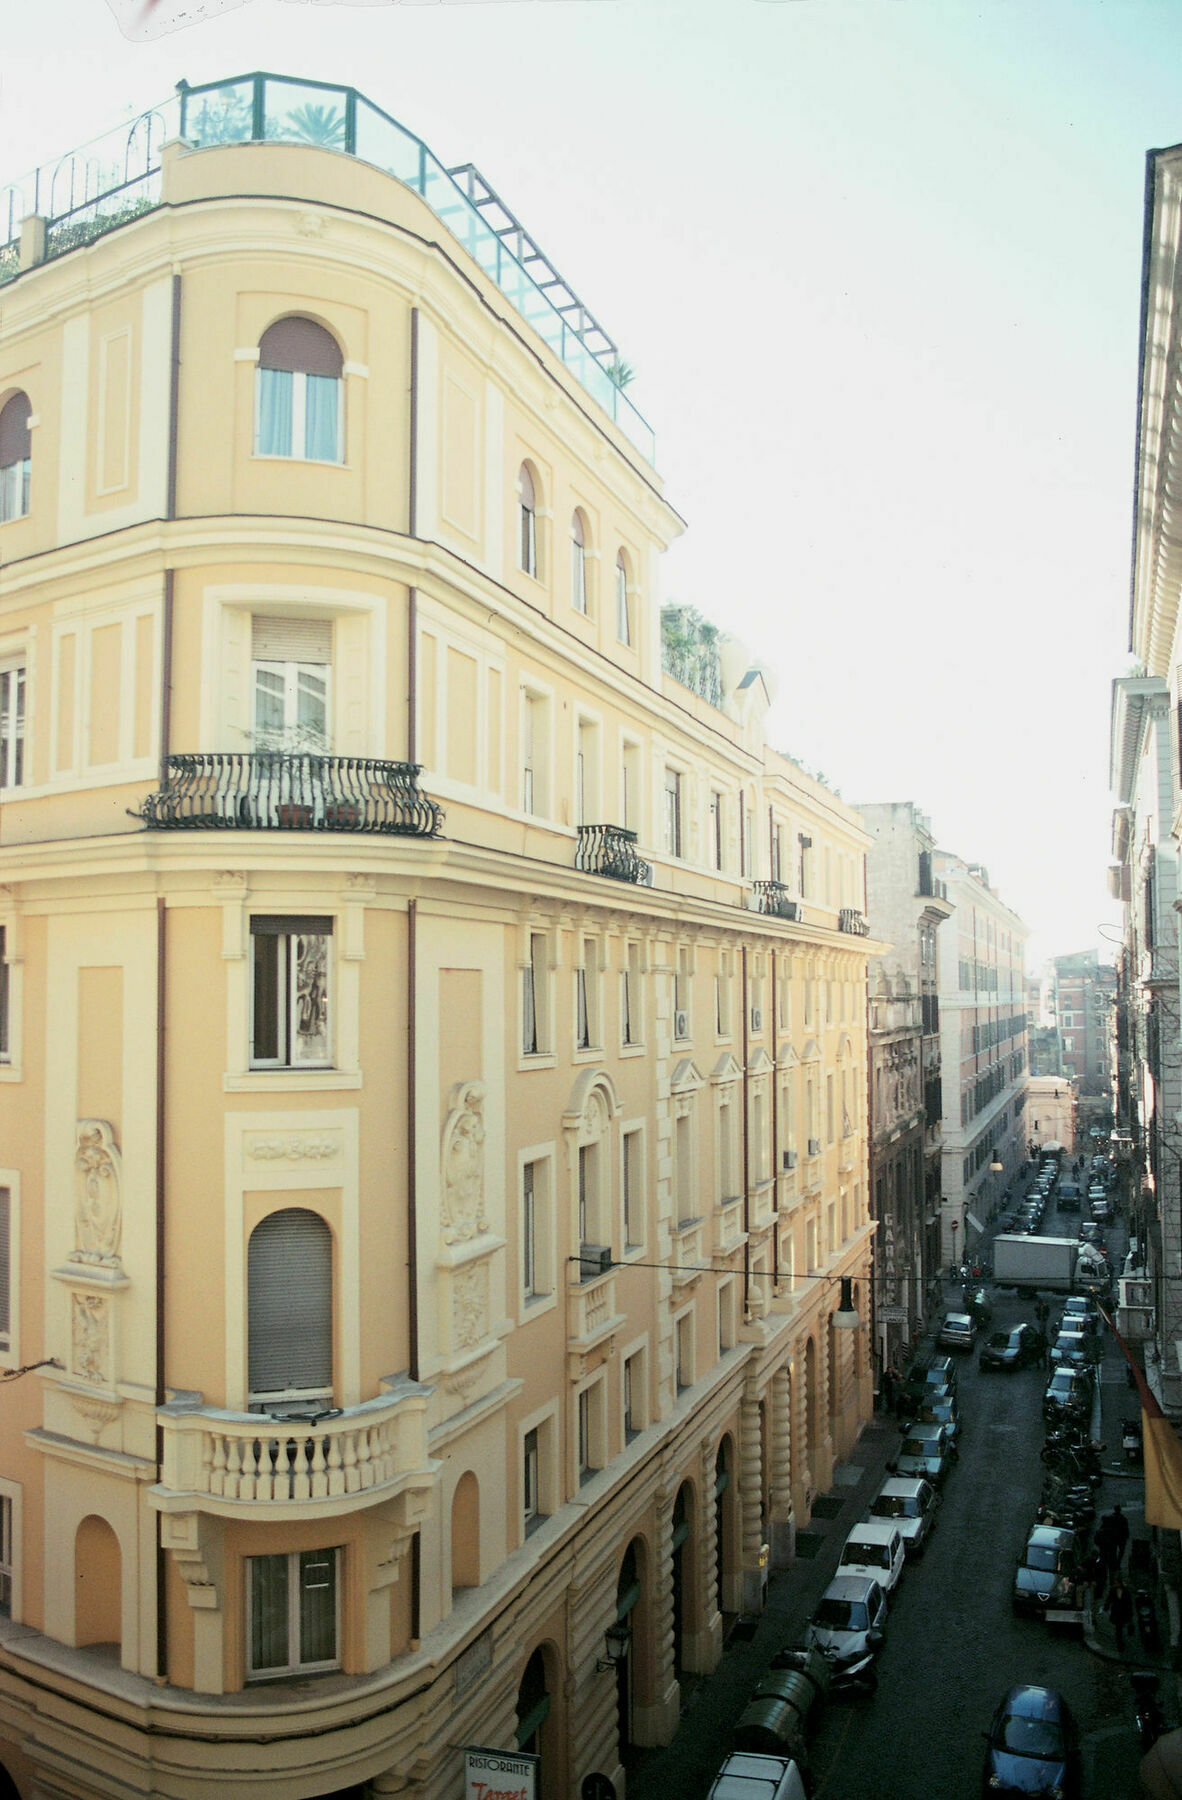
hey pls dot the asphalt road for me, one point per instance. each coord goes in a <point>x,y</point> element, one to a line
<point>954,1645</point>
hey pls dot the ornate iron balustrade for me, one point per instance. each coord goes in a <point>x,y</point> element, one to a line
<point>610,850</point>
<point>850,919</point>
<point>274,790</point>
<point>773,898</point>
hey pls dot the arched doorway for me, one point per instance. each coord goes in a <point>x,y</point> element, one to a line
<point>465,1533</point>
<point>627,1598</point>
<point>810,1403</point>
<point>681,1575</point>
<point>724,1524</point>
<point>8,1787</point>
<point>98,1584</point>
<point>536,1731</point>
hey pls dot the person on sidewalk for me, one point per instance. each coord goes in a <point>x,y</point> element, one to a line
<point>1119,1607</point>
<point>1115,1529</point>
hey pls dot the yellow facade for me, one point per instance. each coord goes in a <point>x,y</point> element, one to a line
<point>498,1166</point>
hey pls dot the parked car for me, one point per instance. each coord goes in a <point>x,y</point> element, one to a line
<point>850,1620</point>
<point>1083,1308</point>
<point>1033,1746</point>
<point>926,1451</point>
<point>745,1776</point>
<point>932,1369</point>
<point>874,1549</point>
<point>1068,1395</point>
<point>1013,1349</point>
<point>941,1409</point>
<point>1047,1568</point>
<point>911,1506</point>
<point>958,1332</point>
<point>1069,1196</point>
<point>1101,1211</point>
<point>1071,1347</point>
<point>1092,1232</point>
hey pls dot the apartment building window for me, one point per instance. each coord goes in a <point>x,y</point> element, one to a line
<point>685,1351</point>
<point>531,1492</point>
<point>681,993</point>
<point>749,840</point>
<point>291,978</point>
<point>673,812</point>
<point>631,1016</point>
<point>5,992</point>
<point>535,745</point>
<point>587,761</point>
<point>722,995</point>
<point>830,1110</point>
<point>7,1554</point>
<point>15,458</point>
<point>775,834</point>
<point>299,394</point>
<point>535,1009</point>
<point>623,620</point>
<point>527,522</point>
<point>586,1469</point>
<point>630,787</point>
<point>591,1209</point>
<point>716,829</point>
<point>587,997</point>
<point>289,1308</point>
<point>578,563</point>
<point>5,1268</point>
<point>12,726</point>
<point>632,1180</point>
<point>683,1169</point>
<point>804,870</point>
<point>292,1622</point>
<point>635,1410</point>
<point>529,1230</point>
<point>291,662</point>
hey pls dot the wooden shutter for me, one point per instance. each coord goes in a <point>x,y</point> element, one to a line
<point>300,345</point>
<point>14,431</point>
<point>276,639</point>
<point>289,1314</point>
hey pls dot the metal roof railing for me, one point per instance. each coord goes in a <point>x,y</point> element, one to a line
<point>117,177</point>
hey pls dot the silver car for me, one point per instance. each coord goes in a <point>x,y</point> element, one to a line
<point>850,1620</point>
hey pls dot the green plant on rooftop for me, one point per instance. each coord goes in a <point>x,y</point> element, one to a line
<point>689,651</point>
<point>72,233</point>
<point>320,125</point>
<point>620,373</point>
<point>227,120</point>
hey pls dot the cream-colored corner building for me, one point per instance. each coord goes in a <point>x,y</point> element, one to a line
<point>432,1035</point>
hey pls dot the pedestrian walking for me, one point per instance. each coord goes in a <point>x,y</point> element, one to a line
<point>1041,1348</point>
<point>1119,1607</point>
<point>1118,1533</point>
<point>889,1383</point>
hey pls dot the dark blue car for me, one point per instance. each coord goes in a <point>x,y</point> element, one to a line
<point>1033,1746</point>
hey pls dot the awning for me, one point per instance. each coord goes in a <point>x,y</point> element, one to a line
<point>1052,1144</point>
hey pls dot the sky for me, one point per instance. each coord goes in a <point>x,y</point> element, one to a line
<point>877,266</point>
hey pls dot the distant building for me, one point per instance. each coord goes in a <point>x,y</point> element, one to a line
<point>906,906</point>
<point>1050,1113</point>
<point>1082,990</point>
<point>982,998</point>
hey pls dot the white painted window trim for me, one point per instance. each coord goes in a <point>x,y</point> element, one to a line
<point>14,1494</point>
<point>10,1179</point>
<point>550,1487</point>
<point>533,1306</point>
<point>11,1066</point>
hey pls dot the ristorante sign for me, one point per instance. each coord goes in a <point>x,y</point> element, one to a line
<point>500,1775</point>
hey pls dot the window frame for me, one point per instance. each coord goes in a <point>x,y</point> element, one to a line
<point>14,722</point>
<point>673,790</point>
<point>16,477</point>
<point>286,994</point>
<point>296,1667</point>
<point>527,524</point>
<point>299,379</point>
<point>623,608</point>
<point>10,1184</point>
<point>579,587</point>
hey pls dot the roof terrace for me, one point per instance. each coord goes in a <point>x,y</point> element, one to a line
<point>115,178</point>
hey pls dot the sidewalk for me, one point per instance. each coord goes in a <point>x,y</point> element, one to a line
<point>688,1764</point>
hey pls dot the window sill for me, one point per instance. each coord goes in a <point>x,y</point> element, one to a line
<point>537,1059</point>
<point>313,462</point>
<point>264,1081</point>
<point>632,1049</point>
<point>11,1072</point>
<point>587,1053</point>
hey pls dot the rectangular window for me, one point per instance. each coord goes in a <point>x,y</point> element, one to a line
<point>7,1554</point>
<point>587,997</point>
<point>631,1013</point>
<point>12,727</point>
<point>672,812</point>
<point>529,1232</point>
<point>635,1412</point>
<point>299,415</point>
<point>630,787</point>
<point>586,1468</point>
<point>535,790</point>
<point>5,1268</point>
<point>534,1022</point>
<point>292,1622</point>
<point>716,829</point>
<point>681,994</point>
<point>290,988</point>
<point>531,1493</point>
<point>830,1110</point>
<point>582,1021</point>
<point>685,1351</point>
<point>5,991</point>
<point>633,1183</point>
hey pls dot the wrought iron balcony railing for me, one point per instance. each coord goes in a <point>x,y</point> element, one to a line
<point>851,920</point>
<point>274,790</point>
<point>610,850</point>
<point>774,899</point>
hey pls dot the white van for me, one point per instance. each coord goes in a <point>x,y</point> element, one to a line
<point>745,1776</point>
<point>874,1549</point>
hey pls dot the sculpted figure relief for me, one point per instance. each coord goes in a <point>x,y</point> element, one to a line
<point>463,1165</point>
<point>98,1208</point>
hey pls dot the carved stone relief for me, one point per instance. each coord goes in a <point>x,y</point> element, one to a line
<point>90,1337</point>
<point>462,1161</point>
<point>98,1206</point>
<point>470,1305</point>
<point>292,1146</point>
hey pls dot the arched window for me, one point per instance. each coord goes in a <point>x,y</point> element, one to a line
<point>289,1307</point>
<point>299,405</point>
<point>527,508</point>
<point>578,563</point>
<point>15,458</point>
<point>623,622</point>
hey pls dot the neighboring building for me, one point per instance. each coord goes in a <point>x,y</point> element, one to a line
<point>1050,1113</point>
<point>983,1052</point>
<point>1042,1039</point>
<point>433,1023</point>
<point>1083,987</point>
<point>1149,1054</point>
<point>906,906</point>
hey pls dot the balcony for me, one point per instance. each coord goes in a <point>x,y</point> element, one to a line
<point>851,920</point>
<point>610,850</point>
<point>772,898</point>
<point>290,1467</point>
<point>276,790</point>
<point>592,1318</point>
<point>690,1254</point>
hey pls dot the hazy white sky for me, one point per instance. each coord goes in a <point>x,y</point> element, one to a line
<point>877,266</point>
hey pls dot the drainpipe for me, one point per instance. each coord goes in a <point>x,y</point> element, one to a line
<point>161,1026</point>
<point>412,1223</point>
<point>412,526</point>
<point>746,1148</point>
<point>774,997</point>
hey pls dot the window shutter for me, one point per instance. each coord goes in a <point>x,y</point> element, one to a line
<point>289,925</point>
<point>301,346</point>
<point>290,1303</point>
<point>14,431</point>
<point>5,1262</point>
<point>275,639</point>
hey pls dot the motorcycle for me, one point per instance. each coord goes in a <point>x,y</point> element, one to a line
<point>844,1678</point>
<point>1151,1721</point>
<point>1131,1442</point>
